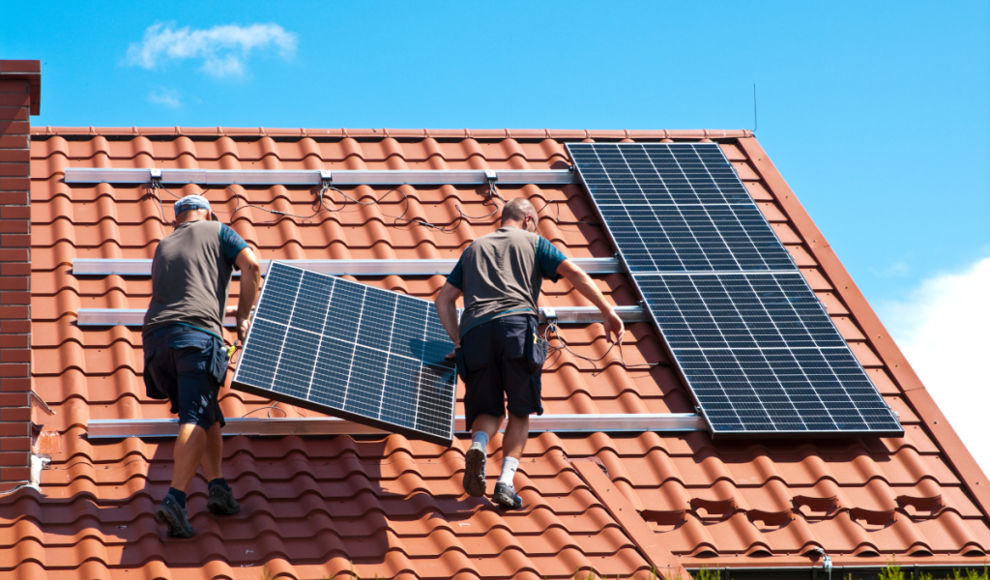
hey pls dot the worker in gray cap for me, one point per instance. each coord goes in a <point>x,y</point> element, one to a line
<point>185,359</point>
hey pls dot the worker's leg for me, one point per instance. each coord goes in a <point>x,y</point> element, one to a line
<point>484,402</point>
<point>521,367</point>
<point>213,454</point>
<point>221,500</point>
<point>188,454</point>
<point>487,424</point>
<point>516,435</point>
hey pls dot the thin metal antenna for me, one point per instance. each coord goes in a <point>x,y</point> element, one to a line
<point>756,119</point>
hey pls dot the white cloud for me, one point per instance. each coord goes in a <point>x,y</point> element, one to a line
<point>223,49</point>
<point>943,328</point>
<point>168,98</point>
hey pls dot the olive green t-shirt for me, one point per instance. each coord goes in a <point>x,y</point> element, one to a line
<point>190,276</point>
<point>501,274</point>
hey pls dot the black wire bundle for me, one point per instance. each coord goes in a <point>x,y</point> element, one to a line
<point>552,332</point>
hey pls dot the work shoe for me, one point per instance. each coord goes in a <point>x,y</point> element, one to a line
<point>170,514</point>
<point>222,501</point>
<point>505,496</point>
<point>474,470</point>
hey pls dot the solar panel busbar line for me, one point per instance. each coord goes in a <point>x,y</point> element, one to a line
<point>350,350</point>
<point>754,345</point>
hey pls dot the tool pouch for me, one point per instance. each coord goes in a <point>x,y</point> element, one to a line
<point>536,353</point>
<point>219,361</point>
<point>536,347</point>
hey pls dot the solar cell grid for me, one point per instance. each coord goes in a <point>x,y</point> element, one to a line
<point>686,238</point>
<point>350,350</point>
<point>749,335</point>
<point>658,174</point>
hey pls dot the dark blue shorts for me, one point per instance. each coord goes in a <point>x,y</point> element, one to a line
<point>181,364</point>
<point>502,361</point>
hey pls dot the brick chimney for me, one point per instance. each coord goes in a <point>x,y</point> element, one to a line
<point>20,97</point>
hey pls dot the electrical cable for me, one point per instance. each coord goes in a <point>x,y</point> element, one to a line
<point>560,223</point>
<point>325,201</point>
<point>552,331</point>
<point>270,408</point>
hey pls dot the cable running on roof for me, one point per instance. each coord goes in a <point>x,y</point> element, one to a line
<point>323,197</point>
<point>551,331</point>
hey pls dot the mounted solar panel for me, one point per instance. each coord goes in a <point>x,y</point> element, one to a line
<point>350,350</point>
<point>753,343</point>
<point>677,208</point>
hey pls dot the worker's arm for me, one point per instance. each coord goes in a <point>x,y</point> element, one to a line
<point>586,286</point>
<point>250,269</point>
<point>446,303</point>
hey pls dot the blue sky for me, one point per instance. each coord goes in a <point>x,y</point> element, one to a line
<point>876,113</point>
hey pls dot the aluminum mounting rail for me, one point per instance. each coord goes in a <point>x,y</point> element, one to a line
<point>279,427</point>
<point>107,267</point>
<point>564,315</point>
<point>316,177</point>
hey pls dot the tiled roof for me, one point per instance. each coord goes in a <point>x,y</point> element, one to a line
<point>394,507</point>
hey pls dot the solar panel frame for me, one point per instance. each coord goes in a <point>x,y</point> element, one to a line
<point>653,256</point>
<point>339,357</point>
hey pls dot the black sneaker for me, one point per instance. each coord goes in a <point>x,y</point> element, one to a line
<point>474,470</point>
<point>222,501</point>
<point>170,514</point>
<point>505,496</point>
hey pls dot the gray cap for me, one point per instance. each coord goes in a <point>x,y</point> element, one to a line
<point>190,202</point>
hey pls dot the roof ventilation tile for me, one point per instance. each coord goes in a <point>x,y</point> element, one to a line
<point>815,508</point>
<point>872,521</point>
<point>713,510</point>
<point>769,521</point>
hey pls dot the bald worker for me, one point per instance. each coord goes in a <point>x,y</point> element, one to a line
<point>499,352</point>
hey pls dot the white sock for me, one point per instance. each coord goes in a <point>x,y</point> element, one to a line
<point>509,465</point>
<point>480,437</point>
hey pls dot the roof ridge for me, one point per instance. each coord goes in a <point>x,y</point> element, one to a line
<point>344,133</point>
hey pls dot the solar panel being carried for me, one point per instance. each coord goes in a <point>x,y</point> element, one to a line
<point>755,346</point>
<point>350,350</point>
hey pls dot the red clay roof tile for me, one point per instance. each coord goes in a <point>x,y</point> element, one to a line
<point>394,507</point>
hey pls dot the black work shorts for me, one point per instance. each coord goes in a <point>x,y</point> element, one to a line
<point>181,364</point>
<point>502,361</point>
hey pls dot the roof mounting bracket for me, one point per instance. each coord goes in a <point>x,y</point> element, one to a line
<point>326,178</point>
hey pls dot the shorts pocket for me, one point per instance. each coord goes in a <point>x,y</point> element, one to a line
<point>185,337</point>
<point>151,388</point>
<point>192,361</point>
<point>536,349</point>
<point>476,356</point>
<point>220,360</point>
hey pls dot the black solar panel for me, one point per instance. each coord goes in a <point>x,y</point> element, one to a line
<point>694,238</point>
<point>749,335</point>
<point>658,173</point>
<point>350,350</point>
<point>762,356</point>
